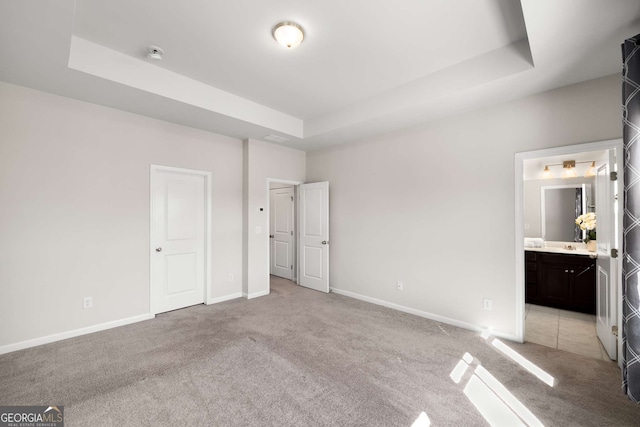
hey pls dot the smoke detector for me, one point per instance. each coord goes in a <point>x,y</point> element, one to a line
<point>154,52</point>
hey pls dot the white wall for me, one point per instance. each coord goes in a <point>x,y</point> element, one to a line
<point>74,221</point>
<point>434,206</point>
<point>263,161</point>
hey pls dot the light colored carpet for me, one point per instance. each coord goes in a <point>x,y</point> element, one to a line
<point>298,358</point>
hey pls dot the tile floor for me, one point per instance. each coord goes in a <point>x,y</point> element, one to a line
<point>565,330</point>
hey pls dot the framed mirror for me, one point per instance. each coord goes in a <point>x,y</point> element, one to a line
<point>560,206</point>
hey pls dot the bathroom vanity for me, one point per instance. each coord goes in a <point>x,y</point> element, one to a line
<point>560,278</point>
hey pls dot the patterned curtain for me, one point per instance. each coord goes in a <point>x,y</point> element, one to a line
<point>631,245</point>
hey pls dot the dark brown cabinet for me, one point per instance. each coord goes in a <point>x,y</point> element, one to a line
<point>561,281</point>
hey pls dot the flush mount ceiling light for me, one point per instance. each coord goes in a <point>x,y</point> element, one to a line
<point>289,34</point>
<point>569,170</point>
<point>154,52</point>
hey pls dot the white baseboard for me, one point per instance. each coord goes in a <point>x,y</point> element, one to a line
<point>224,298</point>
<point>256,294</point>
<point>426,315</point>
<point>71,334</point>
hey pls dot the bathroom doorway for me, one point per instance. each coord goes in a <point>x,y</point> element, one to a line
<point>563,306</point>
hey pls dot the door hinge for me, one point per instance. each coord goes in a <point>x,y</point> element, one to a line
<point>292,232</point>
<point>614,330</point>
<point>614,176</point>
<point>292,198</point>
<point>614,253</point>
<point>292,266</point>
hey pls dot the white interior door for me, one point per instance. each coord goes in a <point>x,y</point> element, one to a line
<point>178,215</point>
<point>281,232</point>
<point>314,235</point>
<point>607,266</point>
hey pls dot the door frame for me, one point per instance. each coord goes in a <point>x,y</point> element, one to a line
<point>207,226</point>
<point>296,233</point>
<point>519,221</point>
<point>292,249</point>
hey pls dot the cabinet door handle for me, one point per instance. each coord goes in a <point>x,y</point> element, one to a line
<point>572,271</point>
<point>566,271</point>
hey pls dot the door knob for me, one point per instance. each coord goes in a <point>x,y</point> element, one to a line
<point>325,242</point>
<point>271,236</point>
<point>158,249</point>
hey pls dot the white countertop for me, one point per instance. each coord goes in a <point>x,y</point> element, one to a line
<point>561,250</point>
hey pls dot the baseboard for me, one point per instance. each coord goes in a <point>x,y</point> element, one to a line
<point>224,298</point>
<point>256,294</point>
<point>425,314</point>
<point>71,334</point>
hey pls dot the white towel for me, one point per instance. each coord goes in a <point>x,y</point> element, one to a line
<point>533,242</point>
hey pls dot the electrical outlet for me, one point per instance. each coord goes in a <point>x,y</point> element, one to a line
<point>487,304</point>
<point>399,285</point>
<point>87,302</point>
<point>231,277</point>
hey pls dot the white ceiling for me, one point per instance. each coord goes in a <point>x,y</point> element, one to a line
<point>365,67</point>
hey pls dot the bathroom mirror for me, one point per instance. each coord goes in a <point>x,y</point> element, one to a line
<point>560,206</point>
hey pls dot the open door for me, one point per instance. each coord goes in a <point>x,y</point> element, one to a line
<point>314,235</point>
<point>607,264</point>
<point>281,232</point>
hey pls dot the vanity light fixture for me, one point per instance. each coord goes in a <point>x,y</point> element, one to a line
<point>547,174</point>
<point>569,167</point>
<point>289,34</point>
<point>569,170</point>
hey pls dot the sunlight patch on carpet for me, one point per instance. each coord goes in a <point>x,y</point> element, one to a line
<point>525,363</point>
<point>422,421</point>
<point>461,368</point>
<point>489,404</point>
<point>491,398</point>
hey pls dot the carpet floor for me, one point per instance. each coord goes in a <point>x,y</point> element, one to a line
<point>302,358</point>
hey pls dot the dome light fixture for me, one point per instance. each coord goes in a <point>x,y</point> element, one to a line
<point>289,34</point>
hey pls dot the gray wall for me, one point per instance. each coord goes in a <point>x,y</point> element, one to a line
<point>263,161</point>
<point>431,206</point>
<point>74,185</point>
<point>434,206</point>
